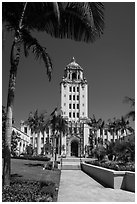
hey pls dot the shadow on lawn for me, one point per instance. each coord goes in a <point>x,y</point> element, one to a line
<point>16,175</point>
<point>34,165</point>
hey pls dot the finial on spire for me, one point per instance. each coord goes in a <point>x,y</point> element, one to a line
<point>73,59</point>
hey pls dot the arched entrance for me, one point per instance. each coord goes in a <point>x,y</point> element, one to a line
<point>74,148</point>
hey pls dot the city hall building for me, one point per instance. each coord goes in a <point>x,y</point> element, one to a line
<point>74,107</point>
<point>74,104</point>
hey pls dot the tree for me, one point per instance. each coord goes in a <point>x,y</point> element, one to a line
<point>124,126</point>
<point>59,127</point>
<point>79,21</point>
<point>15,138</point>
<point>113,127</point>
<point>37,124</point>
<point>95,126</point>
<point>130,114</point>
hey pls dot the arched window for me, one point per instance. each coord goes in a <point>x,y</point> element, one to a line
<point>74,76</point>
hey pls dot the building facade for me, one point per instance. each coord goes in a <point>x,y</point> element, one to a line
<point>74,108</point>
<point>74,105</point>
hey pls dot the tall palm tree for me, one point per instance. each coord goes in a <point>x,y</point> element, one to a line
<point>37,124</point>
<point>124,126</point>
<point>95,125</point>
<point>80,21</point>
<point>62,128</point>
<point>59,127</point>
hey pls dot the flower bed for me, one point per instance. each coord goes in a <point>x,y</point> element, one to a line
<point>117,166</point>
<point>30,191</point>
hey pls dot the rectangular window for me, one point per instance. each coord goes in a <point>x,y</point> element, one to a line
<point>31,140</point>
<point>77,97</point>
<point>64,104</point>
<point>77,115</point>
<point>69,97</point>
<point>77,106</point>
<point>70,106</point>
<point>73,97</point>
<point>73,106</point>
<point>83,113</point>
<point>70,89</point>
<point>83,104</point>
<point>74,115</point>
<point>64,95</point>
<point>77,89</point>
<point>64,113</point>
<point>73,89</point>
<point>25,130</point>
<point>42,140</point>
<point>70,114</point>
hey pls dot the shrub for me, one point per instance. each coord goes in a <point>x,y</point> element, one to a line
<point>38,158</point>
<point>29,191</point>
<point>49,165</point>
<point>118,166</point>
<point>99,152</point>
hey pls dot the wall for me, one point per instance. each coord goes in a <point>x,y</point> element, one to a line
<point>110,178</point>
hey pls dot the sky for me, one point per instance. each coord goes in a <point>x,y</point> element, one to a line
<point>108,63</point>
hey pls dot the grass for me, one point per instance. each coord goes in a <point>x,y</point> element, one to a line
<point>29,175</point>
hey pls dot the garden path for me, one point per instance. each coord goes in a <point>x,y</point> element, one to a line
<point>76,186</point>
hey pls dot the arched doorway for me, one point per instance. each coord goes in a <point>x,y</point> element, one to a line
<point>74,148</point>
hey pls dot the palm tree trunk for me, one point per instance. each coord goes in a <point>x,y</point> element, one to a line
<point>38,143</point>
<point>14,60</point>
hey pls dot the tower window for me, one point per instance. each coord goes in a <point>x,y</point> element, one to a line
<point>83,104</point>
<point>77,97</point>
<point>70,89</point>
<point>25,130</point>
<point>77,115</point>
<point>70,114</point>
<point>70,106</point>
<point>77,106</point>
<point>77,89</point>
<point>73,106</point>
<point>73,89</point>
<point>83,96</point>
<point>73,114</point>
<point>83,113</point>
<point>73,97</point>
<point>74,76</point>
<point>69,97</point>
<point>64,104</point>
<point>64,95</point>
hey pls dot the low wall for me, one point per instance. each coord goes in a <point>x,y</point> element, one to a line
<point>111,178</point>
<point>129,181</point>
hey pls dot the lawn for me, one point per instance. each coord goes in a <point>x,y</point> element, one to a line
<point>30,175</point>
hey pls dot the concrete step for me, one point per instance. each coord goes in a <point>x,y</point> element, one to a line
<point>70,167</point>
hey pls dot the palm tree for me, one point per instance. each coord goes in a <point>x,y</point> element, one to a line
<point>101,128</point>
<point>130,114</point>
<point>78,21</point>
<point>62,127</point>
<point>95,125</point>
<point>37,124</point>
<point>112,127</point>
<point>124,126</point>
<point>59,127</point>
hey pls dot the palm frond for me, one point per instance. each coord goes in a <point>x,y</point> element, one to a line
<point>78,23</point>
<point>129,100</point>
<point>30,42</point>
<point>130,114</point>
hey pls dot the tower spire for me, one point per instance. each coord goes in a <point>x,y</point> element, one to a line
<point>73,59</point>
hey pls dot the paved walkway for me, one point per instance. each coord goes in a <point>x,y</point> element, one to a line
<point>76,186</point>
